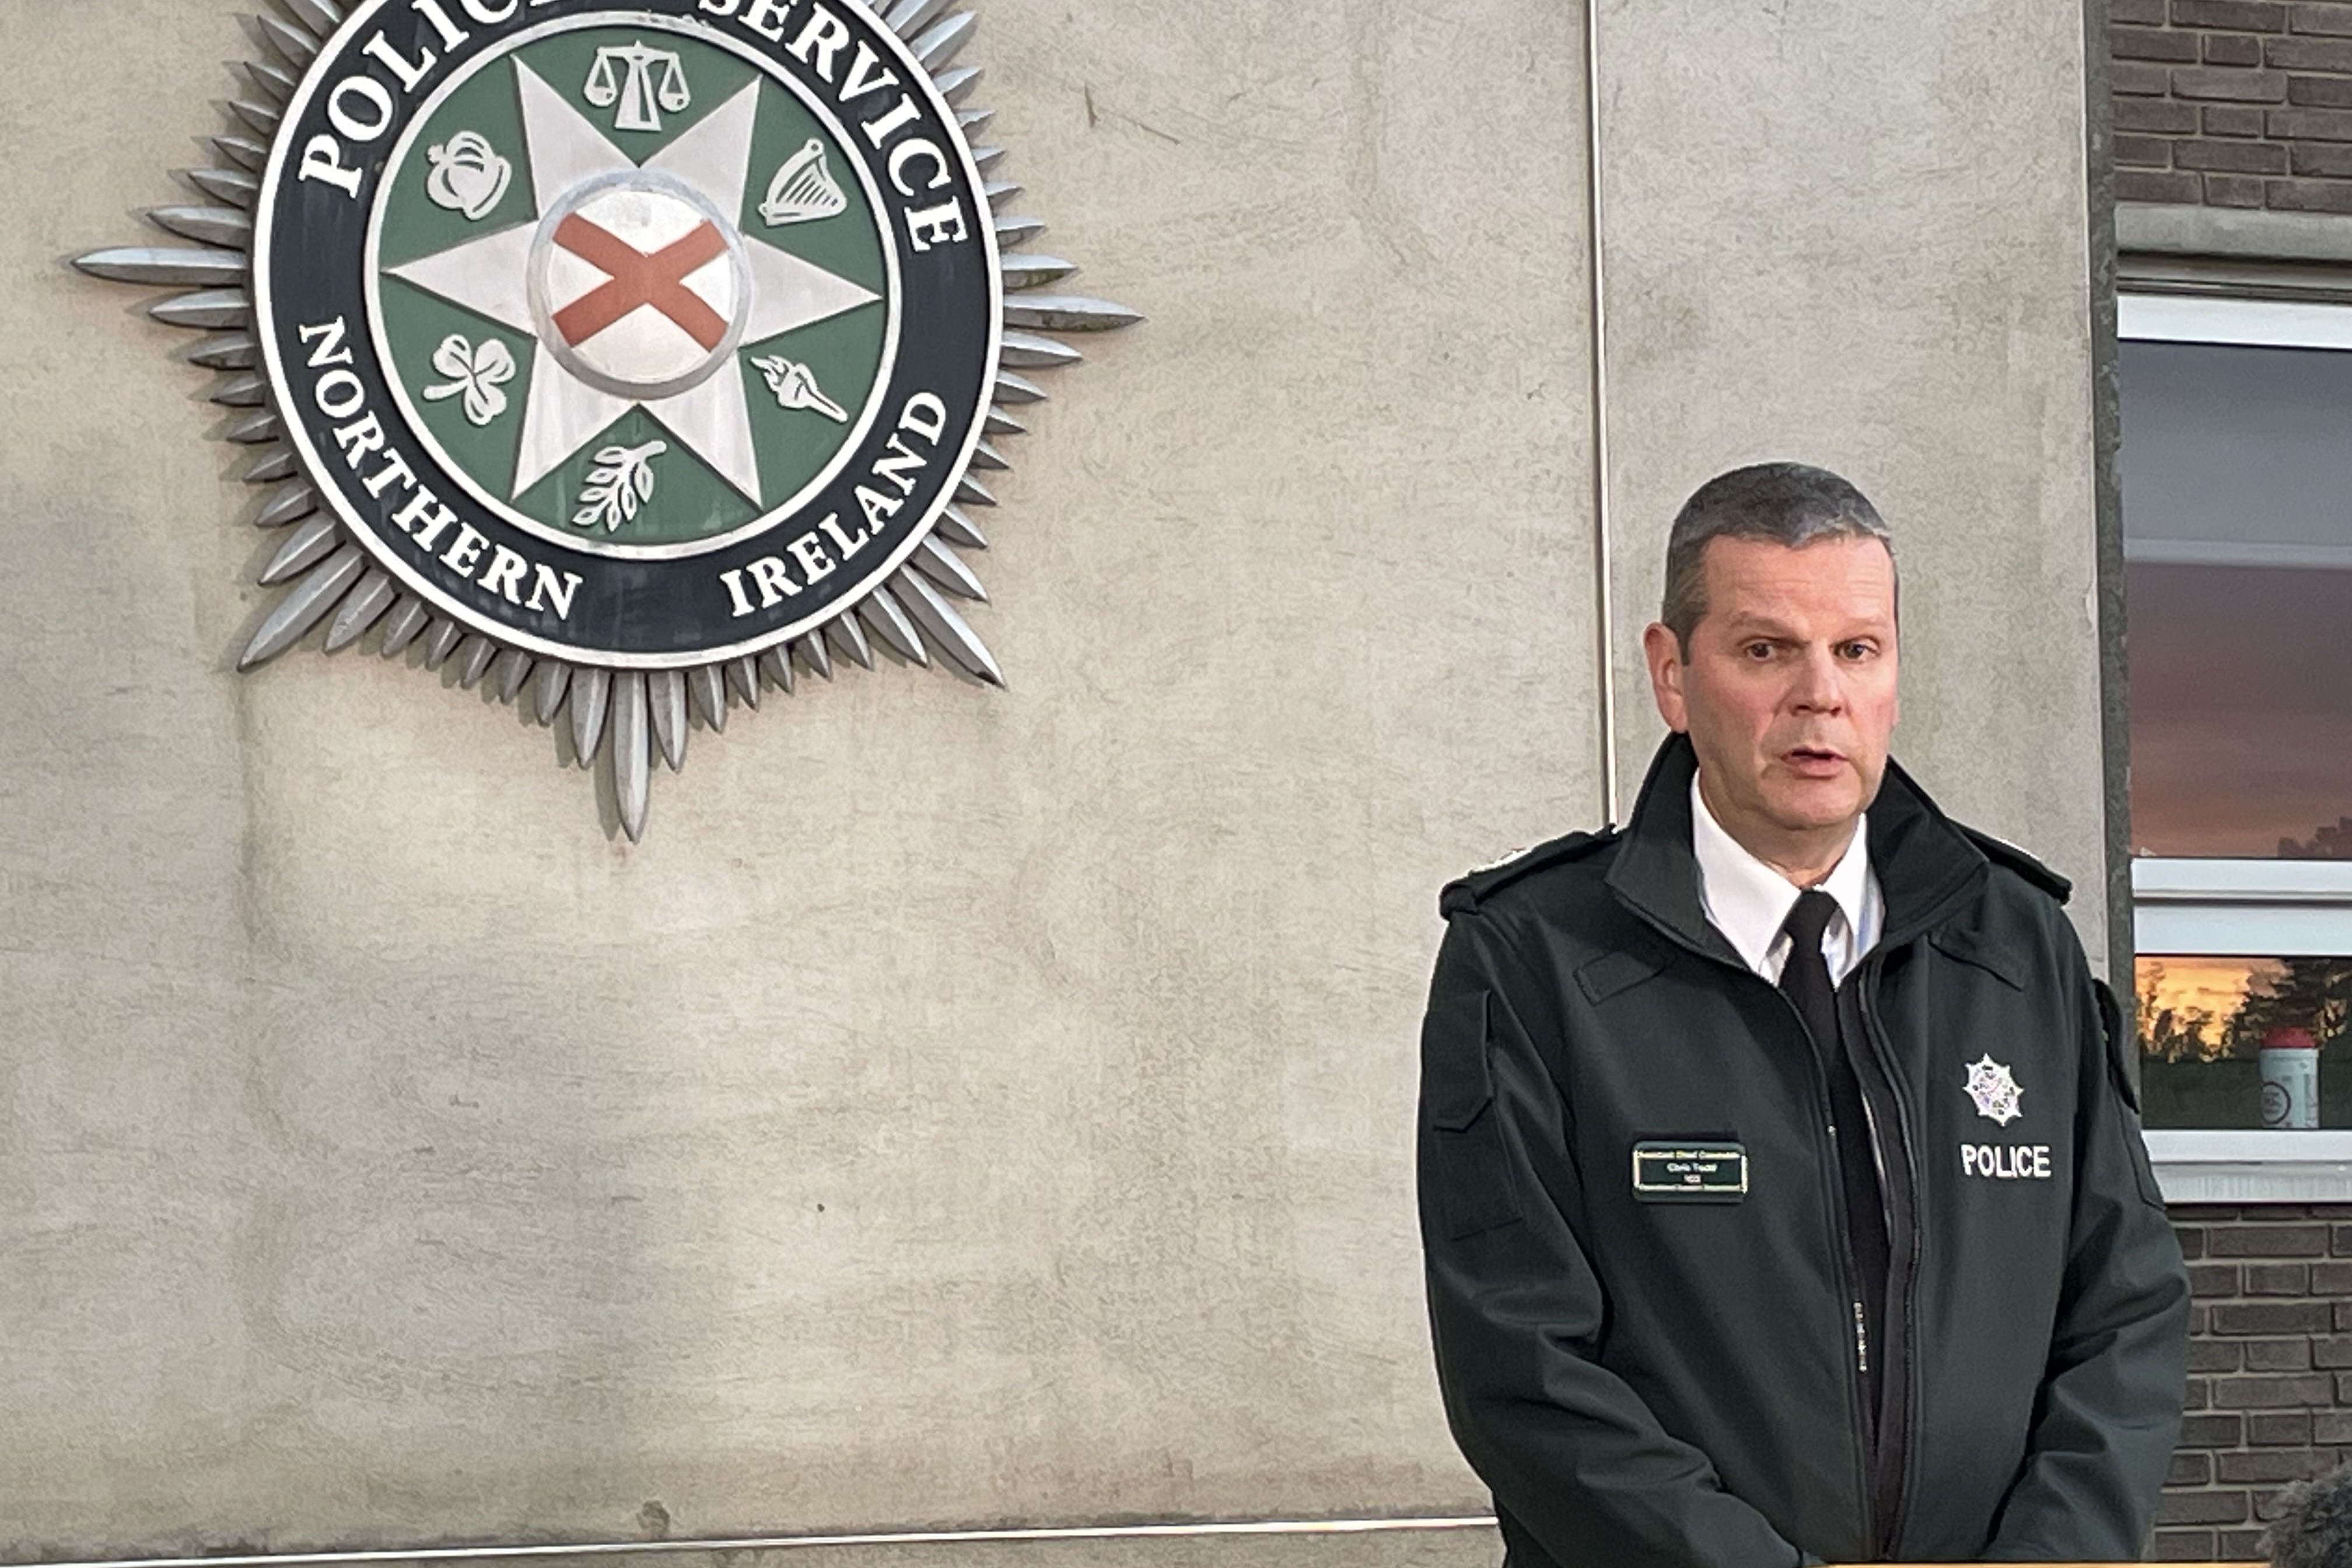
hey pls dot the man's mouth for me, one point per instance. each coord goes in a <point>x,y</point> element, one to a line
<point>1814,762</point>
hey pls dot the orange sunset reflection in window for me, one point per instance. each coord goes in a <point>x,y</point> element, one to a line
<point>2188,1005</point>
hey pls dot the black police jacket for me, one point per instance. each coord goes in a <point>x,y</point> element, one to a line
<point>1640,1289</point>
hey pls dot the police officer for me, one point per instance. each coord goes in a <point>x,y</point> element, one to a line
<point>1782,1190</point>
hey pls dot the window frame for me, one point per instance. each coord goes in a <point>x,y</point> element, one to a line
<point>2242,908</point>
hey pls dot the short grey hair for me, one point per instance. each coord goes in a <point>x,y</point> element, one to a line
<point>1783,503</point>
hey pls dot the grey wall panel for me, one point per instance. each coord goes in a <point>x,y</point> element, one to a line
<point>1855,233</point>
<point>966,1106</point>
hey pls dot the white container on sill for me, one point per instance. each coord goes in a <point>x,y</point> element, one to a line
<point>2290,1064</point>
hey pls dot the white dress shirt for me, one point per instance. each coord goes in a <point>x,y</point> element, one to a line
<point>1748,901</point>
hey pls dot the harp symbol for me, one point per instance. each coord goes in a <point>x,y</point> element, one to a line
<point>804,190</point>
<point>635,91</point>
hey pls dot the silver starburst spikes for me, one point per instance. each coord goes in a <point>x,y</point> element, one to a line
<point>347,586</point>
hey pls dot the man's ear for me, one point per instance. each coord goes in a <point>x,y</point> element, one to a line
<point>1663,651</point>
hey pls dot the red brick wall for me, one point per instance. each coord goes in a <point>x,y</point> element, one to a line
<point>2269,1370</point>
<point>2233,103</point>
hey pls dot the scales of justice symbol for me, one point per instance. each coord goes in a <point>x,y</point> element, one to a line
<point>640,250</point>
<point>637,94</point>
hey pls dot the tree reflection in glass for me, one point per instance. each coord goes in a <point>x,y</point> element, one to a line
<point>2203,1022</point>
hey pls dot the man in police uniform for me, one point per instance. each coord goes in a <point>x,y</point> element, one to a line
<point>1782,1189</point>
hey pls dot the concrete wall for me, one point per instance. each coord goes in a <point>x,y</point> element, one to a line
<point>1855,235</point>
<point>967,1106</point>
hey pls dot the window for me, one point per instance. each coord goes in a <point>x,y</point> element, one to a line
<point>2248,1043</point>
<point>2237,496</point>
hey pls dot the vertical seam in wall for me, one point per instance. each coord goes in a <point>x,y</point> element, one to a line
<point>2106,477</point>
<point>1604,591</point>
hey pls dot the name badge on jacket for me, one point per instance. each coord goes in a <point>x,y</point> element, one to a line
<point>1690,1171</point>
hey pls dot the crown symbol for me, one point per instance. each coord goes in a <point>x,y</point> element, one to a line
<point>467,177</point>
<point>804,190</point>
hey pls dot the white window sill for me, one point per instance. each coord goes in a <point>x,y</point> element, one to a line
<point>2280,323</point>
<point>2276,909</point>
<point>2197,1167</point>
<point>2159,879</point>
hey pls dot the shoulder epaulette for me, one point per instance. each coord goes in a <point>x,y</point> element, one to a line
<point>2001,852</point>
<point>1467,892</point>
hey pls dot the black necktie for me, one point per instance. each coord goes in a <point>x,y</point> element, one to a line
<point>1805,981</point>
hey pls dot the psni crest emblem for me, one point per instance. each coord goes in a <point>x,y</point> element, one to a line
<point>637,360</point>
<point>1994,1091</point>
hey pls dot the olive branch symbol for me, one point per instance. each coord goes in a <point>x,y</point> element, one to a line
<point>621,480</point>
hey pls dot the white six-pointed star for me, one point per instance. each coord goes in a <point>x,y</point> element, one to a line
<point>637,285</point>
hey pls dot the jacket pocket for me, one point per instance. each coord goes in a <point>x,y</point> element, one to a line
<point>1470,1158</point>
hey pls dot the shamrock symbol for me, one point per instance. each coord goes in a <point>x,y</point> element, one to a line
<point>478,372</point>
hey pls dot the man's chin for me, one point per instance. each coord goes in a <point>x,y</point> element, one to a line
<point>1824,809</point>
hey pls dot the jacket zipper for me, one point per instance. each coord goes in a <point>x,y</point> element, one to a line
<point>1882,1508</point>
<point>1894,1371</point>
<point>1898,1373</point>
<point>1868,1439</point>
<point>1865,1421</point>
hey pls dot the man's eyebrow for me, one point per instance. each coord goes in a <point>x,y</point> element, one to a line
<point>1750,622</point>
<point>1747,623</point>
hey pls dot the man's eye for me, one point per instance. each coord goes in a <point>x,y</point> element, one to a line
<point>1856,650</point>
<point>1758,651</point>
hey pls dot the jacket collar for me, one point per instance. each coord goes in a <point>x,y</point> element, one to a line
<point>1926,866</point>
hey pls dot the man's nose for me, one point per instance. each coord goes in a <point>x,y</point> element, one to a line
<point>1819,686</point>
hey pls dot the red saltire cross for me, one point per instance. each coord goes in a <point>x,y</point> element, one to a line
<point>638,279</point>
